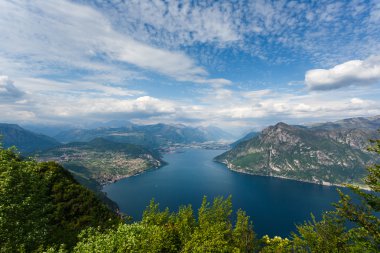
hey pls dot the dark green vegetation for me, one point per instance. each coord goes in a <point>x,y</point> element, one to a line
<point>26,141</point>
<point>102,160</point>
<point>325,153</point>
<point>91,163</point>
<point>152,136</point>
<point>42,207</point>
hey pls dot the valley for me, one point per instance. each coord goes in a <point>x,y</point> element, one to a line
<point>331,153</point>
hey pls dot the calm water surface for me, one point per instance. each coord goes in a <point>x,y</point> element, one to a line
<point>275,205</point>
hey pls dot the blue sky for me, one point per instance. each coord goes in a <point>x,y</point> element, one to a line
<point>238,65</point>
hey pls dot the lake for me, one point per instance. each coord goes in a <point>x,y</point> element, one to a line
<point>275,205</point>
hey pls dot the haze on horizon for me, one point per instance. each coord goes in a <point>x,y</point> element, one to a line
<point>232,64</point>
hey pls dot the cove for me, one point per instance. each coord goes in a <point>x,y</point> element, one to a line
<point>275,205</point>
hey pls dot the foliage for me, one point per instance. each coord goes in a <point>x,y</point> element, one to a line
<point>41,204</point>
<point>162,231</point>
<point>363,215</point>
<point>275,244</point>
<point>24,205</point>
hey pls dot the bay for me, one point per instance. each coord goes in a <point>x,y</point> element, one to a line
<point>275,205</point>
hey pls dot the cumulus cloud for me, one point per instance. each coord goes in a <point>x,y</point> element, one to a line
<point>7,88</point>
<point>351,73</point>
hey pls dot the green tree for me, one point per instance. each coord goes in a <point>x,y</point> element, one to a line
<point>136,237</point>
<point>42,205</point>
<point>214,230</point>
<point>153,216</point>
<point>331,234</point>
<point>24,206</point>
<point>325,236</point>
<point>363,214</point>
<point>243,235</point>
<point>275,245</point>
<point>185,223</point>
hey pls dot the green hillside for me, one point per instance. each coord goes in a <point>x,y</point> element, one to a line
<point>42,205</point>
<point>318,154</point>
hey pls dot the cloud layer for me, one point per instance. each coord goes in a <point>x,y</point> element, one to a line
<point>67,35</point>
<point>8,90</point>
<point>226,63</point>
<point>262,28</point>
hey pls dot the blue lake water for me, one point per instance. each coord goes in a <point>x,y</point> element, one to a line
<point>275,205</point>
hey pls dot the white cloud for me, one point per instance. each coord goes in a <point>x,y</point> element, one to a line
<point>50,36</point>
<point>7,88</point>
<point>183,23</point>
<point>351,73</point>
<point>220,106</point>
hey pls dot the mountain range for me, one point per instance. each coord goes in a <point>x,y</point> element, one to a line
<point>152,136</point>
<point>326,153</point>
<point>26,141</point>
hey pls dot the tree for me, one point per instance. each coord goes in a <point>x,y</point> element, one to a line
<point>24,209</point>
<point>214,230</point>
<point>243,235</point>
<point>327,235</point>
<point>331,234</point>
<point>363,214</point>
<point>42,205</point>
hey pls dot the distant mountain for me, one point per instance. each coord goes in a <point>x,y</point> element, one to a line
<point>213,133</point>
<point>324,153</point>
<point>49,130</point>
<point>101,160</point>
<point>26,141</point>
<point>370,123</point>
<point>246,137</point>
<point>152,136</point>
<point>109,124</point>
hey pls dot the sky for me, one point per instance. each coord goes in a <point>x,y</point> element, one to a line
<point>238,65</point>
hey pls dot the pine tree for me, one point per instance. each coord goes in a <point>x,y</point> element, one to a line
<point>363,215</point>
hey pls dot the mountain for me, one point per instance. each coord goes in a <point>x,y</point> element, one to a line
<point>325,153</point>
<point>25,141</point>
<point>152,136</point>
<point>101,160</point>
<point>213,133</point>
<point>246,137</point>
<point>370,123</point>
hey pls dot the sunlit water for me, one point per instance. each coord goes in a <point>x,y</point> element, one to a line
<point>275,205</point>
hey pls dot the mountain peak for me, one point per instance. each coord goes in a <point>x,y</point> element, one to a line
<point>281,125</point>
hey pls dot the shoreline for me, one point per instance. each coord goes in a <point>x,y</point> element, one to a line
<point>120,177</point>
<point>242,171</point>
